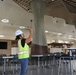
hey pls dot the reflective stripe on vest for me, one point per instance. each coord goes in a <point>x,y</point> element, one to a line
<point>23,51</point>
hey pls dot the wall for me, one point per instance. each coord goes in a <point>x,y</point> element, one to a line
<point>14,50</point>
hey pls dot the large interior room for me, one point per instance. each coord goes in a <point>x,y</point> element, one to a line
<point>49,27</point>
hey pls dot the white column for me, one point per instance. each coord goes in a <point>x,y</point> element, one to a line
<point>39,44</point>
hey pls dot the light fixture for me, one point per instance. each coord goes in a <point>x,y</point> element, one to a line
<point>66,41</point>
<point>5,20</point>
<point>46,31</point>
<point>22,27</point>
<point>72,42</point>
<point>70,36</point>
<point>1,35</point>
<point>52,41</point>
<point>59,33</point>
<point>60,41</point>
<point>73,38</point>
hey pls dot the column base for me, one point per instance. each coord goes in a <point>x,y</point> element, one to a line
<point>39,50</point>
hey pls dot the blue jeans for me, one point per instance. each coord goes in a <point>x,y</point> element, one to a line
<point>24,65</point>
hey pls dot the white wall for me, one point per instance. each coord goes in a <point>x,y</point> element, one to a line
<point>14,50</point>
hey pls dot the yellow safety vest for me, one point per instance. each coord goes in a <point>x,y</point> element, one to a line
<point>23,51</point>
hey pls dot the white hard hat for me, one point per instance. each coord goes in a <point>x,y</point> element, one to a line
<point>18,32</point>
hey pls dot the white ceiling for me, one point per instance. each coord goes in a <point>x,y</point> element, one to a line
<point>19,17</point>
<point>16,15</point>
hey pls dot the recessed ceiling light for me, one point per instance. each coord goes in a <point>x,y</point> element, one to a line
<point>5,20</point>
<point>59,33</point>
<point>46,31</point>
<point>60,41</point>
<point>66,41</point>
<point>22,27</point>
<point>52,41</point>
<point>70,36</point>
<point>72,42</point>
<point>1,35</point>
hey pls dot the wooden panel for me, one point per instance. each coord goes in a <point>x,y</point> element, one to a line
<point>10,44</point>
<point>8,50</point>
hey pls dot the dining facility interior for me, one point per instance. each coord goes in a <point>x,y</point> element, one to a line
<point>59,28</point>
